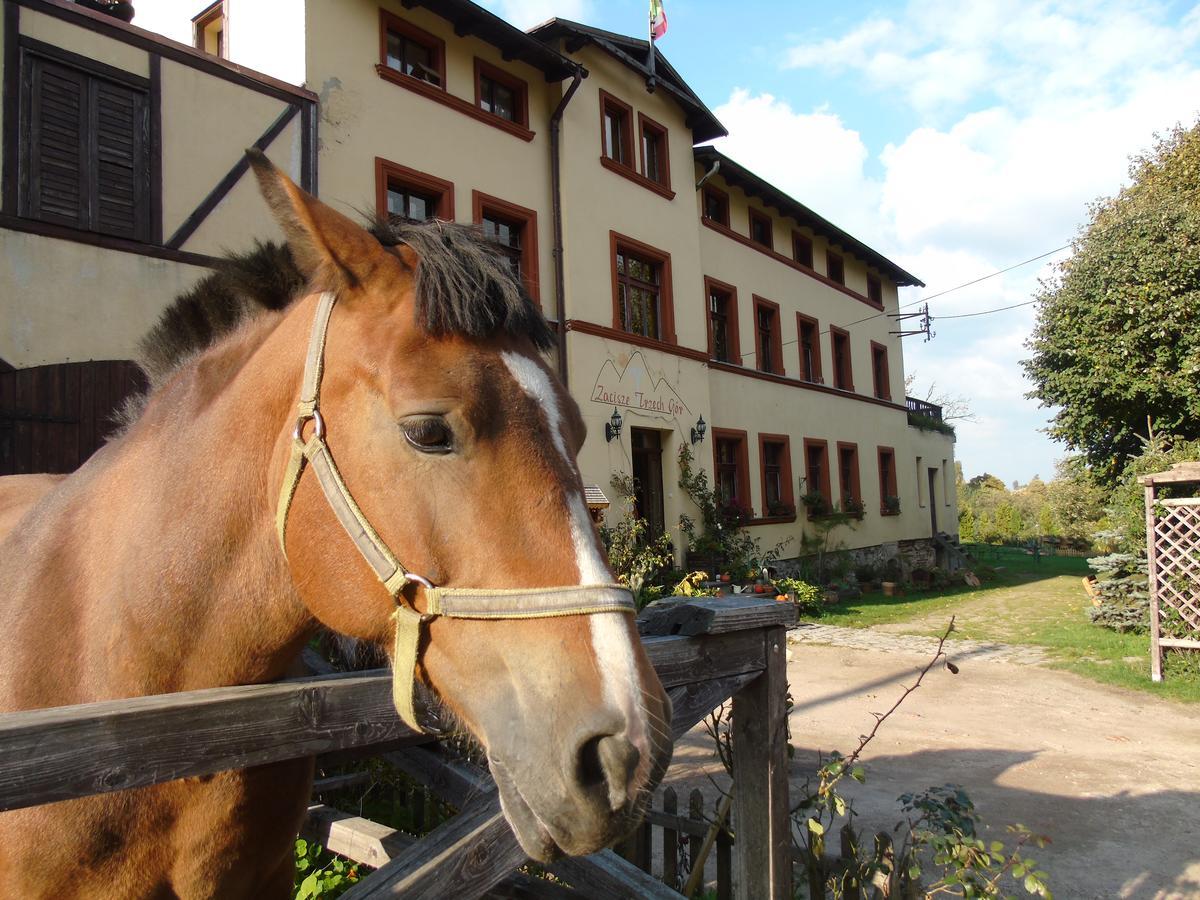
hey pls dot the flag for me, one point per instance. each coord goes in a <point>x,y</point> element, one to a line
<point>658,20</point>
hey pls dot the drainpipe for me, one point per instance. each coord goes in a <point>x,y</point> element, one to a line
<point>560,285</point>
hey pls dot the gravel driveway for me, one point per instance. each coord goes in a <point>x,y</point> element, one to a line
<point>1113,777</point>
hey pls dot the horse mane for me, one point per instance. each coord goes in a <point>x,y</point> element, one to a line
<point>464,285</point>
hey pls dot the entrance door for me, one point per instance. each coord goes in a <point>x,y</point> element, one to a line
<point>933,500</point>
<point>648,478</point>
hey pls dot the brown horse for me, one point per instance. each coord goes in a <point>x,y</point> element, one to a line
<point>156,567</point>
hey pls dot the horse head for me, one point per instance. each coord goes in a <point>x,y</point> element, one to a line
<point>455,445</point>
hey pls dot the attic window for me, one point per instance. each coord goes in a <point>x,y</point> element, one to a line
<point>412,51</point>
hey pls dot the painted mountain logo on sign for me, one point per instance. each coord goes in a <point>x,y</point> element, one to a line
<point>634,388</point>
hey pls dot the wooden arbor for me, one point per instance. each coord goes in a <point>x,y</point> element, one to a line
<point>705,651</point>
<point>1173,555</point>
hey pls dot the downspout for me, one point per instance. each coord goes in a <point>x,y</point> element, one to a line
<point>560,283</point>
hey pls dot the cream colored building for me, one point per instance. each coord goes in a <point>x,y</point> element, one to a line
<point>730,302</point>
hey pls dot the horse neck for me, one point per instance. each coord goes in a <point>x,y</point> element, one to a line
<point>201,569</point>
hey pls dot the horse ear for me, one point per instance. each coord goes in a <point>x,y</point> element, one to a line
<point>327,246</point>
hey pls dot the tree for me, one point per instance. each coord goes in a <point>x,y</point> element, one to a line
<point>1117,338</point>
<point>955,408</point>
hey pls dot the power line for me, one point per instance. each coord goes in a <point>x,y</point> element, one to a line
<point>986,312</point>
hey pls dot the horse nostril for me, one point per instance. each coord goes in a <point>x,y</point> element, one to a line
<point>609,761</point>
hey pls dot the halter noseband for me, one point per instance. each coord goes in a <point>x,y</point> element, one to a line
<point>460,603</point>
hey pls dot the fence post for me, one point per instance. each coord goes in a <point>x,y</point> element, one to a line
<point>760,772</point>
<point>1152,568</point>
<point>724,861</point>
<point>696,814</point>
<point>670,841</point>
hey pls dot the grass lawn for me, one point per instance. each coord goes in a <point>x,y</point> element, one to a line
<point>1039,602</point>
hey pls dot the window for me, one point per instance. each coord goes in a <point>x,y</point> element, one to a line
<point>767,340</point>
<point>732,471</point>
<point>810,348</point>
<point>776,464</point>
<point>514,229</point>
<point>802,249</point>
<point>86,161</point>
<point>616,130</point>
<point>850,491</point>
<point>500,94</point>
<point>889,493</point>
<point>208,30</point>
<point>879,371</point>
<point>723,343</point>
<point>641,289</point>
<point>843,374</point>
<point>412,51</point>
<point>761,231</point>
<point>874,289</point>
<point>835,268</point>
<point>405,193</point>
<point>716,205</point>
<point>656,163</point>
<point>817,497</point>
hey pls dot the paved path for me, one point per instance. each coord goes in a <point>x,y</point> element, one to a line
<point>883,642</point>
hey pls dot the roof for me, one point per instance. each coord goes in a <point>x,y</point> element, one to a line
<point>635,53</point>
<point>595,497</point>
<point>754,186</point>
<point>471,19</point>
<point>1180,473</point>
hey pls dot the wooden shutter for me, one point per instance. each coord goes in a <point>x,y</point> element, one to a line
<point>86,157</point>
<point>119,201</point>
<point>58,119</point>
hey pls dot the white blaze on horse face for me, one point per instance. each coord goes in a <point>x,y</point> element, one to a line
<point>611,640</point>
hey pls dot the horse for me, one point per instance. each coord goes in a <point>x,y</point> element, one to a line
<point>195,550</point>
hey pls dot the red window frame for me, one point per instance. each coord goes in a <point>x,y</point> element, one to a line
<point>835,267</point>
<point>849,481</point>
<point>887,480</point>
<point>493,207</point>
<point>624,112</point>
<point>787,498</point>
<point>658,133</point>
<point>433,43</point>
<point>774,364</point>
<point>802,249</point>
<point>388,173</point>
<point>808,323</point>
<point>821,449</point>
<point>875,289</point>
<point>721,198</point>
<point>738,438</point>
<point>880,375</point>
<point>757,216</point>
<point>712,285</point>
<point>519,88</point>
<point>843,364</point>
<point>619,243</point>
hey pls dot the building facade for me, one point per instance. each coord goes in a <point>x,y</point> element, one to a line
<point>695,303</point>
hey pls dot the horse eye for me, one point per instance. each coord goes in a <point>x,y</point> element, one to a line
<point>429,435</point>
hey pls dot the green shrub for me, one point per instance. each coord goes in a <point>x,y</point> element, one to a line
<point>809,598</point>
<point>321,874</point>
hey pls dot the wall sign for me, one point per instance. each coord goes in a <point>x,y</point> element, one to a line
<point>635,388</point>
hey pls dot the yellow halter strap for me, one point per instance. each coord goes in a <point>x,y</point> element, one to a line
<point>462,603</point>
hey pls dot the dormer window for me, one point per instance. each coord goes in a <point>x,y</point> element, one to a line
<point>413,51</point>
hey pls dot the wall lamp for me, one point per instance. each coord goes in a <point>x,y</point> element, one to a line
<point>612,428</point>
<point>698,430</point>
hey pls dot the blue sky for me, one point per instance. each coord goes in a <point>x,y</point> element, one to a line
<point>958,138</point>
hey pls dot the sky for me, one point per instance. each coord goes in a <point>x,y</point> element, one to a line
<point>956,138</point>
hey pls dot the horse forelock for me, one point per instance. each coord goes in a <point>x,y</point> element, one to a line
<point>463,286</point>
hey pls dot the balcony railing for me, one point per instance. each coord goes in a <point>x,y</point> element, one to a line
<point>924,408</point>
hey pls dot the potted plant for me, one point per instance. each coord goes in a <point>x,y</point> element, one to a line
<point>852,506</point>
<point>815,503</point>
<point>779,510</point>
<point>890,506</point>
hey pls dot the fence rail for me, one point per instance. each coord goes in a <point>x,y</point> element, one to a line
<point>704,650</point>
<point>923,408</point>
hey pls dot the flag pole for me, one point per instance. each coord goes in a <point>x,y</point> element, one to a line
<point>650,82</point>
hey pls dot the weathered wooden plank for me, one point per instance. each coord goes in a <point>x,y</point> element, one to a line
<point>690,616</point>
<point>692,702</point>
<point>1179,642</point>
<point>75,751</point>
<point>604,875</point>
<point>464,857</point>
<point>353,837</point>
<point>339,782</point>
<point>760,774</point>
<point>675,822</point>
<point>684,660</point>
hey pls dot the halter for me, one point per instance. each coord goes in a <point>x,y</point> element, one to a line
<point>453,603</point>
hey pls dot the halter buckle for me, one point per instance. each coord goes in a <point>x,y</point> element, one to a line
<point>318,425</point>
<point>418,579</point>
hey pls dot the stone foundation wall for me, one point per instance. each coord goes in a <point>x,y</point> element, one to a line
<point>901,557</point>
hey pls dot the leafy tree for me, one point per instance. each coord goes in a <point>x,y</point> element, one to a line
<point>1118,333</point>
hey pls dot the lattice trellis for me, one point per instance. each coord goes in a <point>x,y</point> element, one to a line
<point>1173,553</point>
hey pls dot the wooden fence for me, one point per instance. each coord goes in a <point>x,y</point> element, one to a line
<point>704,650</point>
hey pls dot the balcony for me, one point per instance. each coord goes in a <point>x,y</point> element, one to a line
<point>927,416</point>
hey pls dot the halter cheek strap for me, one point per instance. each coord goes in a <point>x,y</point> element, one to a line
<point>460,603</point>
